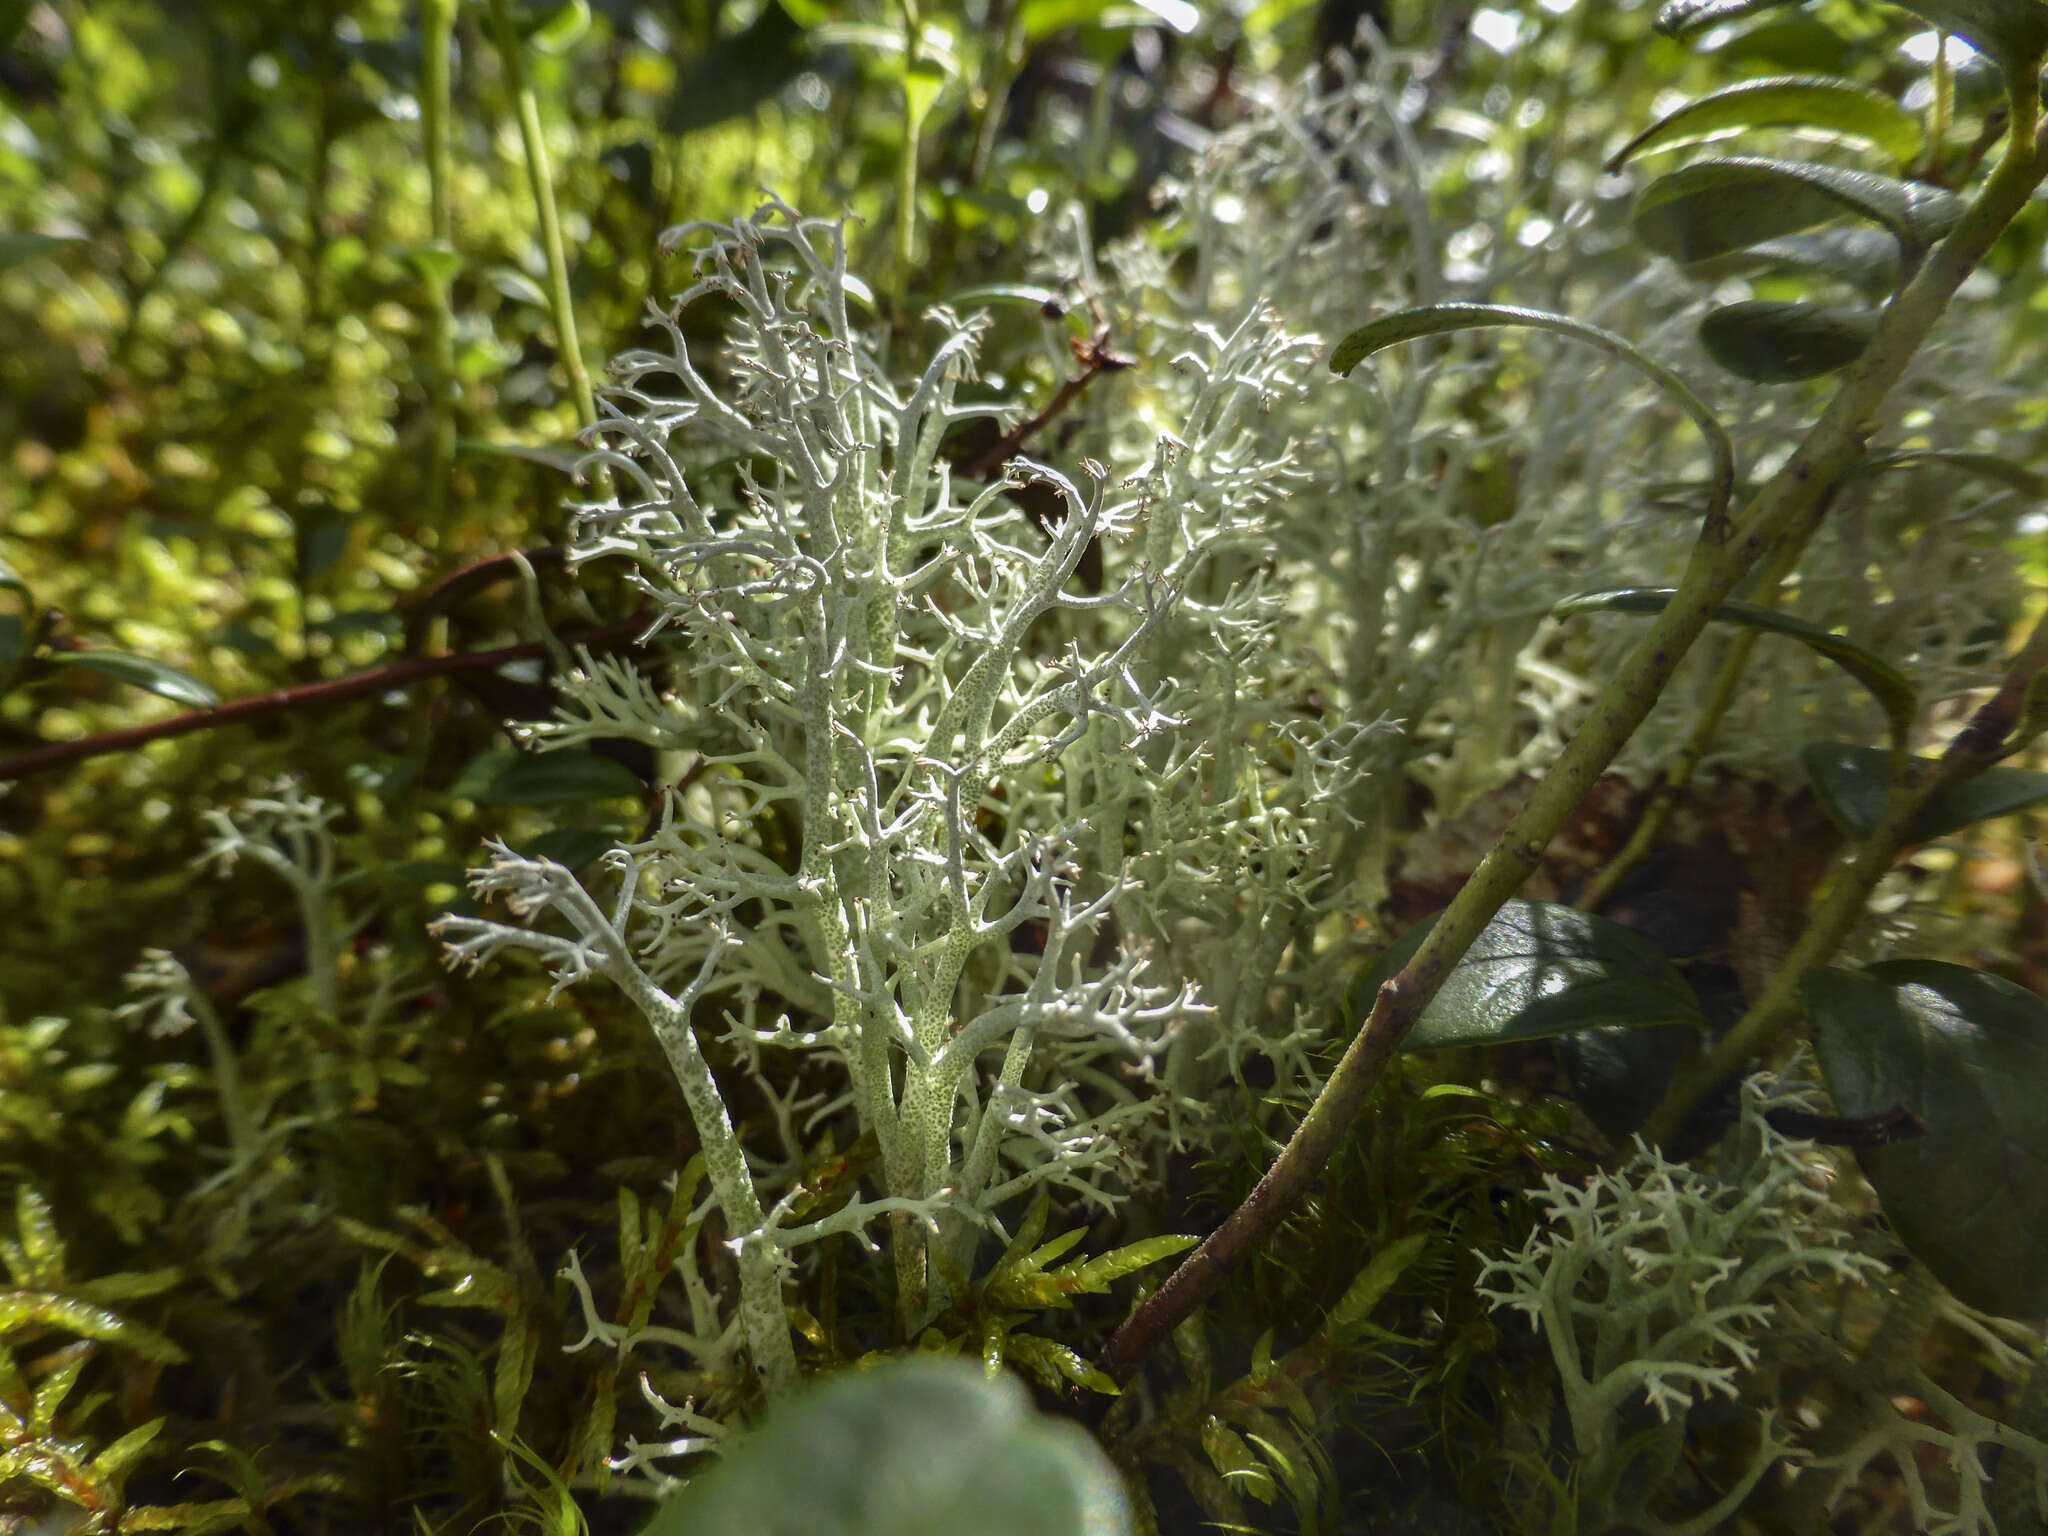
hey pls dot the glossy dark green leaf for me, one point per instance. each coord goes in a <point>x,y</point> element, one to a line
<point>1864,258</point>
<point>1840,107</point>
<point>1439,319</point>
<point>1968,1053</point>
<point>736,74</point>
<point>140,672</point>
<point>1854,786</point>
<point>1712,207</point>
<point>1885,682</point>
<point>1682,18</point>
<point>545,778</point>
<point>1537,969</point>
<point>2014,32</point>
<point>1780,343</point>
<point>1618,1075</point>
<point>917,1445</point>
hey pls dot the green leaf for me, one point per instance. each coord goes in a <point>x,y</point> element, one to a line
<point>1989,465</point>
<point>917,1445</point>
<point>27,1309</point>
<point>1373,1283</point>
<point>1713,207</point>
<point>141,672</point>
<point>1885,682</point>
<point>1054,1365</point>
<point>1538,969</point>
<point>1864,258</point>
<point>1242,1471</point>
<point>1618,1075</point>
<point>1437,319</point>
<point>1968,1053</point>
<point>736,74</point>
<point>1682,18</point>
<point>923,84</point>
<point>1055,1250</point>
<point>2014,32</point>
<point>1854,786</point>
<point>42,1246</point>
<point>17,246</point>
<point>1779,343</point>
<point>545,778</point>
<point>114,1463</point>
<point>1785,101</point>
<point>1099,1273</point>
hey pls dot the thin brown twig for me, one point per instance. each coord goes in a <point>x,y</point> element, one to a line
<point>1095,358</point>
<point>306,696</point>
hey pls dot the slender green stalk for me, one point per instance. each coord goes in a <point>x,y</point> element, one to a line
<point>1785,509</point>
<point>1677,775</point>
<point>906,168</point>
<point>1843,901</point>
<point>1941,112</point>
<point>542,182</point>
<point>437,28</point>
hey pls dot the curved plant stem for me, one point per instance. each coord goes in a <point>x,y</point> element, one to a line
<point>357,685</point>
<point>1786,509</point>
<point>542,182</point>
<point>1842,901</point>
<point>1677,775</point>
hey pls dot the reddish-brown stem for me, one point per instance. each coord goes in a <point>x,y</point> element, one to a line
<point>1094,357</point>
<point>306,696</point>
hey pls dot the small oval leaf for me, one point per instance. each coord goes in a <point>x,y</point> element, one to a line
<point>1854,786</point>
<point>140,672</point>
<point>1779,343</point>
<point>1538,969</point>
<point>1840,107</point>
<point>1713,207</point>
<point>1968,1053</point>
<point>1438,319</point>
<point>1885,682</point>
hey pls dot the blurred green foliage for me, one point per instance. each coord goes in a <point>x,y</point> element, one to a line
<point>220,402</point>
